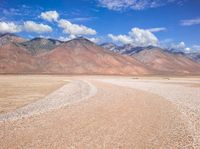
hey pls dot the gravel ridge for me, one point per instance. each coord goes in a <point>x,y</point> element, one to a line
<point>75,91</point>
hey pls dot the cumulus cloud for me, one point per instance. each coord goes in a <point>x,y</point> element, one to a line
<point>124,39</point>
<point>9,27</point>
<point>135,4</point>
<point>143,37</point>
<point>68,27</point>
<point>70,37</point>
<point>158,29</point>
<point>75,29</point>
<point>95,40</point>
<point>31,26</point>
<point>196,48</point>
<point>190,22</point>
<point>136,37</point>
<point>50,16</point>
<point>181,46</point>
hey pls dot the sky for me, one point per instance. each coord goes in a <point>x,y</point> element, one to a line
<point>165,23</point>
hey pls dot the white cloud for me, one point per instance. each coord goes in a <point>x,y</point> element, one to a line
<point>143,37</point>
<point>31,26</point>
<point>124,39</point>
<point>95,40</point>
<point>64,38</point>
<point>70,37</point>
<point>135,4</point>
<point>159,29</point>
<point>196,48</point>
<point>50,16</point>
<point>190,22</point>
<point>181,47</point>
<point>9,27</point>
<point>75,29</point>
<point>82,19</point>
<point>136,37</point>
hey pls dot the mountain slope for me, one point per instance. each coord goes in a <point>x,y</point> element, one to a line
<point>160,60</point>
<point>78,56</point>
<point>40,45</point>
<point>81,56</point>
<point>8,38</point>
<point>84,57</point>
<point>15,59</point>
<point>166,62</point>
<point>111,47</point>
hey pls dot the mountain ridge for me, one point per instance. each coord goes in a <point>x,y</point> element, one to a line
<point>82,56</point>
<point>77,56</point>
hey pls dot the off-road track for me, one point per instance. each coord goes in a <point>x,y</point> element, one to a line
<point>110,113</point>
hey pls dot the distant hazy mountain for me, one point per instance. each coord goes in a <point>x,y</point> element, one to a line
<point>161,60</point>
<point>131,50</point>
<point>125,49</point>
<point>164,61</point>
<point>194,56</point>
<point>111,47</point>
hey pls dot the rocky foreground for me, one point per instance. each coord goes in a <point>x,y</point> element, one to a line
<point>122,113</point>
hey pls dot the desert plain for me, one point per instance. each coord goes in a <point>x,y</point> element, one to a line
<point>99,112</point>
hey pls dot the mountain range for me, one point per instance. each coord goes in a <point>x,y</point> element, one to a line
<point>81,56</point>
<point>163,61</point>
<point>130,50</point>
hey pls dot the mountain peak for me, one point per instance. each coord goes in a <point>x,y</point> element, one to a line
<point>8,34</point>
<point>40,45</point>
<point>9,37</point>
<point>80,41</point>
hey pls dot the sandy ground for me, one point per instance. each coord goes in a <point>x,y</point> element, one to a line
<point>18,91</point>
<point>124,113</point>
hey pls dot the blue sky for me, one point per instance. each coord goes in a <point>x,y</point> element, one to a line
<point>174,23</point>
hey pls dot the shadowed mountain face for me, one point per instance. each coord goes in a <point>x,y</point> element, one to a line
<point>195,56</point>
<point>40,45</point>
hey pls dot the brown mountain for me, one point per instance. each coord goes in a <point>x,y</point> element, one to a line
<point>8,38</point>
<point>15,59</point>
<point>40,45</point>
<point>78,56</point>
<point>164,62</point>
<point>81,56</point>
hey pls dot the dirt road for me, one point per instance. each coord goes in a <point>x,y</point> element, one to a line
<point>117,115</point>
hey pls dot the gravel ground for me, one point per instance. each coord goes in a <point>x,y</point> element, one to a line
<point>69,93</point>
<point>118,113</point>
<point>186,97</point>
